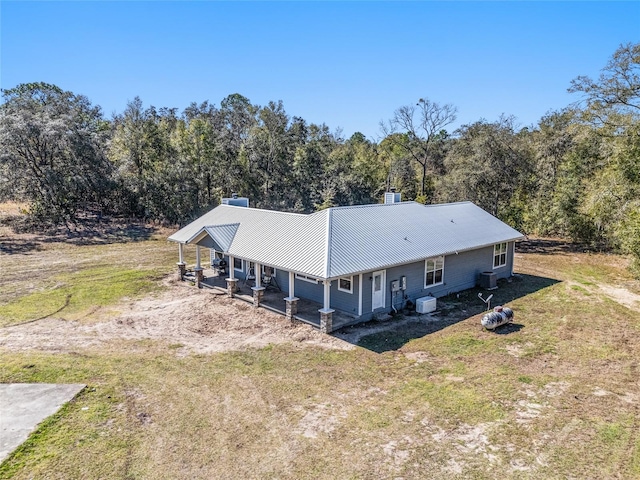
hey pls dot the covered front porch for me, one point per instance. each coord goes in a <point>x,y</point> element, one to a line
<point>258,285</point>
<point>272,298</point>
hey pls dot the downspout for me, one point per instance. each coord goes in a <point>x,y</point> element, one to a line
<point>394,295</point>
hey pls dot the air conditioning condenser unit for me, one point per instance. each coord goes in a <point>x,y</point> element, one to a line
<point>426,305</point>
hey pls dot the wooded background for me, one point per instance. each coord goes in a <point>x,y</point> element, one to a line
<point>575,174</point>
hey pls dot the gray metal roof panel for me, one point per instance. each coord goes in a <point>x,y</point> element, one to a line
<point>342,241</point>
<point>289,241</point>
<point>222,234</point>
<point>365,239</point>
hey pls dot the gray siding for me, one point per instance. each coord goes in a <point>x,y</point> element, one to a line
<point>347,302</point>
<point>460,273</point>
<point>308,290</point>
<point>207,242</point>
<point>282,280</point>
<point>367,281</point>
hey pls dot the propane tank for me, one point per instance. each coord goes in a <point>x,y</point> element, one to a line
<point>500,316</point>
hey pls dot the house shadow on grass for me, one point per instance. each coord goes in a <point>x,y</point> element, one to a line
<point>394,334</point>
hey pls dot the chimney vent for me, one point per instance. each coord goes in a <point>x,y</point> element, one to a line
<point>236,201</point>
<point>392,197</point>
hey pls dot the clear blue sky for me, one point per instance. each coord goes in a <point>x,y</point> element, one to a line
<point>347,64</point>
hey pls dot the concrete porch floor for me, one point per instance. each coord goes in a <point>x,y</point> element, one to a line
<point>273,299</point>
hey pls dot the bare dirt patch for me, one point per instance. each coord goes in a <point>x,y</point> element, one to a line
<point>188,319</point>
<point>622,295</point>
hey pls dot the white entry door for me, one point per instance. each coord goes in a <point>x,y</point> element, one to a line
<point>378,289</point>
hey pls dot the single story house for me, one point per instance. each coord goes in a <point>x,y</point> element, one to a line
<point>358,260</point>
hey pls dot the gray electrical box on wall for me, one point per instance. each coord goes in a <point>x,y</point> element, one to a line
<point>395,286</point>
<point>403,283</point>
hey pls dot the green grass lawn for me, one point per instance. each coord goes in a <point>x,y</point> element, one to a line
<point>558,396</point>
<point>74,280</point>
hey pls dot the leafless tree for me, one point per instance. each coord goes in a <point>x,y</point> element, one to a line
<point>420,125</point>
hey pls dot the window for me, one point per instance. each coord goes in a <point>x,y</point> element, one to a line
<point>500,255</point>
<point>306,278</point>
<point>345,284</point>
<point>268,271</point>
<point>433,271</point>
<point>237,264</point>
<point>251,271</point>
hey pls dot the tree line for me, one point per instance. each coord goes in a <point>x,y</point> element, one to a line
<point>576,173</point>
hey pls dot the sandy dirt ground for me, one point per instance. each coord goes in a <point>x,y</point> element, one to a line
<point>187,319</point>
<point>198,321</point>
<point>204,321</point>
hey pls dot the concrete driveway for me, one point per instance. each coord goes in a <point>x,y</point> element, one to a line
<point>24,405</point>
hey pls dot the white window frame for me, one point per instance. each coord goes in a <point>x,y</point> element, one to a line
<point>500,249</point>
<point>434,270</point>
<point>306,278</point>
<point>241,269</point>
<point>348,279</point>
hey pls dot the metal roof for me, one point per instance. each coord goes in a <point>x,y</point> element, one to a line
<point>342,241</point>
<point>222,235</point>
<point>365,239</point>
<point>289,241</point>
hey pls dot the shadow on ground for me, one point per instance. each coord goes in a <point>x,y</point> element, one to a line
<point>508,328</point>
<point>28,236</point>
<point>550,246</point>
<point>395,333</point>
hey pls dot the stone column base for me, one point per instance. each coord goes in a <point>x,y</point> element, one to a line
<point>258,294</point>
<point>326,320</point>
<point>232,286</point>
<point>199,276</point>
<point>182,269</point>
<point>291,307</point>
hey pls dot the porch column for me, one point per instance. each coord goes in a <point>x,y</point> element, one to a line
<point>258,274</point>
<point>291,301</point>
<point>360,295</point>
<point>232,272</point>
<point>198,270</point>
<point>292,285</point>
<point>326,313</point>
<point>182,267</point>
<point>327,294</point>
<point>232,282</point>
<point>258,290</point>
